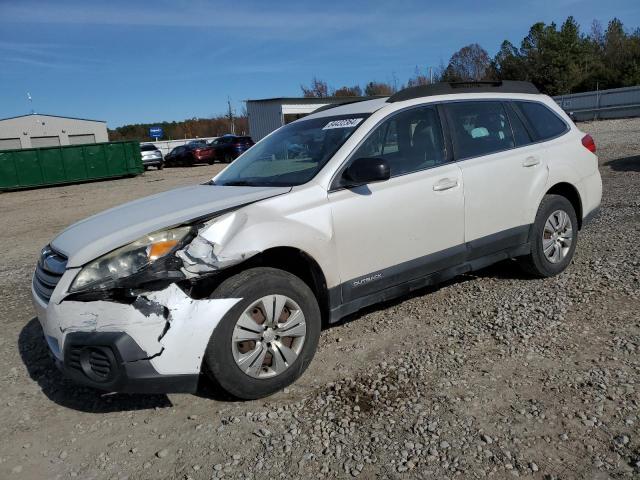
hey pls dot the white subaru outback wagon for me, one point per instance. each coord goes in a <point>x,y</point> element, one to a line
<point>349,206</point>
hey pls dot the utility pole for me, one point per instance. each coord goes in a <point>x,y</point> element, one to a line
<point>430,75</point>
<point>232,126</point>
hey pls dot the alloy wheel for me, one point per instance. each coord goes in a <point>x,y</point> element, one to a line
<point>268,336</point>
<point>557,236</point>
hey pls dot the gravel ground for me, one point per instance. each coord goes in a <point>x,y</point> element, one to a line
<point>491,375</point>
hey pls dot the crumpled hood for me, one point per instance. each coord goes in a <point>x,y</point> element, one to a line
<point>101,233</point>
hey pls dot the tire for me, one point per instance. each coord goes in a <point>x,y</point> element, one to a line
<point>221,355</point>
<point>160,166</point>
<point>228,158</point>
<point>537,262</point>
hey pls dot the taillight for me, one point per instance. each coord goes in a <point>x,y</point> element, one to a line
<point>588,143</point>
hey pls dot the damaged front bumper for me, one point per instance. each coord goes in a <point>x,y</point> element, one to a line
<point>114,362</point>
<point>155,344</point>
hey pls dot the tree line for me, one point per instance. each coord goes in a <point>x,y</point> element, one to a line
<point>191,128</point>
<point>558,60</point>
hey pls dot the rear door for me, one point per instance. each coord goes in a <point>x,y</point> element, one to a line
<point>504,174</point>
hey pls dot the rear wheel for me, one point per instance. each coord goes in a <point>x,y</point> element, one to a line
<point>267,340</point>
<point>160,165</point>
<point>553,238</point>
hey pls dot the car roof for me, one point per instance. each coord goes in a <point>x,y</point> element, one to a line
<point>353,108</point>
<point>499,88</point>
<point>456,88</point>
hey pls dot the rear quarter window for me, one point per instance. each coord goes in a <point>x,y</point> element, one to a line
<point>544,123</point>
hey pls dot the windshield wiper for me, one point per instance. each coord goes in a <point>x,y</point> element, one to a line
<point>238,183</point>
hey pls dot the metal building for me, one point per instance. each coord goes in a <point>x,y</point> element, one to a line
<point>269,114</point>
<point>602,104</point>
<point>38,130</point>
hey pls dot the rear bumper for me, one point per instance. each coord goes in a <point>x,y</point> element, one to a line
<point>151,161</point>
<point>114,362</point>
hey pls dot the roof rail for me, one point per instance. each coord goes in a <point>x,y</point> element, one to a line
<point>347,102</point>
<point>448,88</point>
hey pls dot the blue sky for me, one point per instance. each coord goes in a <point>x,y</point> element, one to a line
<point>134,61</point>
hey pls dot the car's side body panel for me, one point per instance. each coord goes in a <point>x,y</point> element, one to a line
<point>371,243</point>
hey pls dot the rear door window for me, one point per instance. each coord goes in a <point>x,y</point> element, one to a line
<point>544,123</point>
<point>479,128</point>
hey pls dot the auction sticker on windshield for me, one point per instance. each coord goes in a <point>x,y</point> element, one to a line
<point>344,123</point>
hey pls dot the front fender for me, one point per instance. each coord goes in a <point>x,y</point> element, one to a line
<point>300,220</point>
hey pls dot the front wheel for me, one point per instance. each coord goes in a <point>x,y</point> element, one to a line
<point>228,158</point>
<point>267,340</point>
<point>554,236</point>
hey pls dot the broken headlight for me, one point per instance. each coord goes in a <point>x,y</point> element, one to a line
<point>130,259</point>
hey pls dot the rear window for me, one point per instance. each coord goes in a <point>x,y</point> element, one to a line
<point>479,128</point>
<point>148,148</point>
<point>544,123</point>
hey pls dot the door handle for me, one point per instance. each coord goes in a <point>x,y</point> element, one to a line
<point>531,161</point>
<point>445,184</point>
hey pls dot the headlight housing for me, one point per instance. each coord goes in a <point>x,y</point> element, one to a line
<point>130,259</point>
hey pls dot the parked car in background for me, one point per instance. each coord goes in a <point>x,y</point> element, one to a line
<point>190,154</point>
<point>229,147</point>
<point>197,143</point>
<point>151,156</point>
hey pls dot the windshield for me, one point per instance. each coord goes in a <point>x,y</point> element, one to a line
<point>292,155</point>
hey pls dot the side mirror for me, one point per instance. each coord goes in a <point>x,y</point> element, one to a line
<point>366,170</point>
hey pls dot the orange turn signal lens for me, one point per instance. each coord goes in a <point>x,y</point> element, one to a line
<point>160,249</point>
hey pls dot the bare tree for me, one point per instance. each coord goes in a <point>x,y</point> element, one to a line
<point>470,63</point>
<point>378,88</point>
<point>596,34</point>
<point>318,88</point>
<point>345,91</point>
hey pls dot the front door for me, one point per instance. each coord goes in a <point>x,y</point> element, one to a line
<point>409,226</point>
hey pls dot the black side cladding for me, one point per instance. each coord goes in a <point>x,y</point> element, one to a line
<point>500,86</point>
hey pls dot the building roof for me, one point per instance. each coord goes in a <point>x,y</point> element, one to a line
<point>56,116</point>
<point>312,99</point>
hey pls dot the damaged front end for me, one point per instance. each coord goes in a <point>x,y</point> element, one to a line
<point>154,344</point>
<point>128,321</point>
<point>206,254</point>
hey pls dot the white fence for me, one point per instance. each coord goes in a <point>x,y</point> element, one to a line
<point>601,104</point>
<point>165,146</point>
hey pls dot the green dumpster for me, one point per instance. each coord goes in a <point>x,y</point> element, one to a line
<point>37,167</point>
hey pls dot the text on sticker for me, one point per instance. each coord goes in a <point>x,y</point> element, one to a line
<point>344,123</point>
